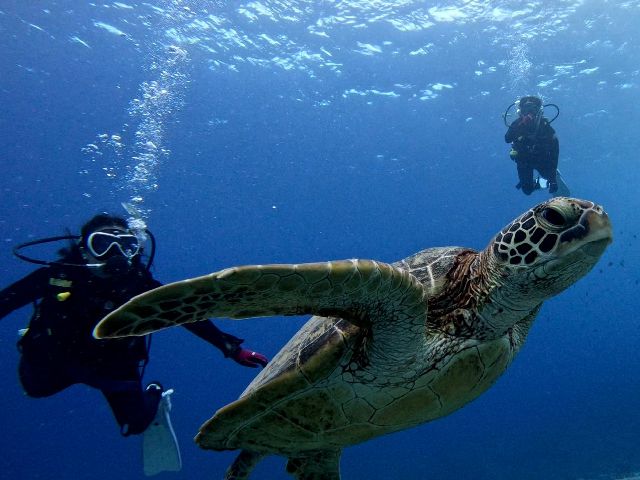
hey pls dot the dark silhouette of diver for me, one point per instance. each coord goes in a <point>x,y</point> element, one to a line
<point>534,145</point>
<point>100,270</point>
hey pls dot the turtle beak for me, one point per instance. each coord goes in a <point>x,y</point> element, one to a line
<point>591,235</point>
<point>599,235</point>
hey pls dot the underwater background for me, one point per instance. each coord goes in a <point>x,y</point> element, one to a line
<point>301,131</point>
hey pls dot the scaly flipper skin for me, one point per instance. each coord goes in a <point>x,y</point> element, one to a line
<point>356,290</point>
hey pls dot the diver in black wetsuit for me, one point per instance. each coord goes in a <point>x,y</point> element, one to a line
<point>99,272</point>
<point>534,145</point>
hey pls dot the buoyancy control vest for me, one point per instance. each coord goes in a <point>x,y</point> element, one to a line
<point>75,300</point>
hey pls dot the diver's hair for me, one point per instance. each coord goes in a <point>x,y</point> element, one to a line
<point>537,101</point>
<point>102,220</point>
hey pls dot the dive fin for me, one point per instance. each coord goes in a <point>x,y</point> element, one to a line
<point>563,188</point>
<point>160,450</point>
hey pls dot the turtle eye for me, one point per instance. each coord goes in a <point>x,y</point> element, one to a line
<point>553,216</point>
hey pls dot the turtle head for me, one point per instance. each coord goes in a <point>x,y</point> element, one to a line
<point>549,248</point>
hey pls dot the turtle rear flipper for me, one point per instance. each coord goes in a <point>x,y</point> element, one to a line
<point>243,465</point>
<point>310,465</point>
<point>315,465</point>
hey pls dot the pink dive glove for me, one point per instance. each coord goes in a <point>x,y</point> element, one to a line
<point>249,358</point>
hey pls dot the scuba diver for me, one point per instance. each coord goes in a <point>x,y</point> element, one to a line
<point>101,270</point>
<point>534,145</point>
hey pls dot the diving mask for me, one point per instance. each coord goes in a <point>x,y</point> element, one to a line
<point>111,241</point>
<point>530,106</point>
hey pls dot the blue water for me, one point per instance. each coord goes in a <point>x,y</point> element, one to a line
<point>307,131</point>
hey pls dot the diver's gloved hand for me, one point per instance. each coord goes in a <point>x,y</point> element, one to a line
<point>249,358</point>
<point>526,119</point>
<point>553,187</point>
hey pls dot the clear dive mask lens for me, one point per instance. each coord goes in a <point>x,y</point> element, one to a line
<point>102,243</point>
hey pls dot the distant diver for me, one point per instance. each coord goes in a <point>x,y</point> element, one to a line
<point>535,145</point>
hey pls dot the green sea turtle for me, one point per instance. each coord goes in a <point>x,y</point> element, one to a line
<point>392,345</point>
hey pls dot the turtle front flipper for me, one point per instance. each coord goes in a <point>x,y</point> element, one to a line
<point>357,290</point>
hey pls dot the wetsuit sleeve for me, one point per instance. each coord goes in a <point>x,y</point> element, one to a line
<point>513,132</point>
<point>153,283</point>
<point>206,330</point>
<point>24,291</point>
